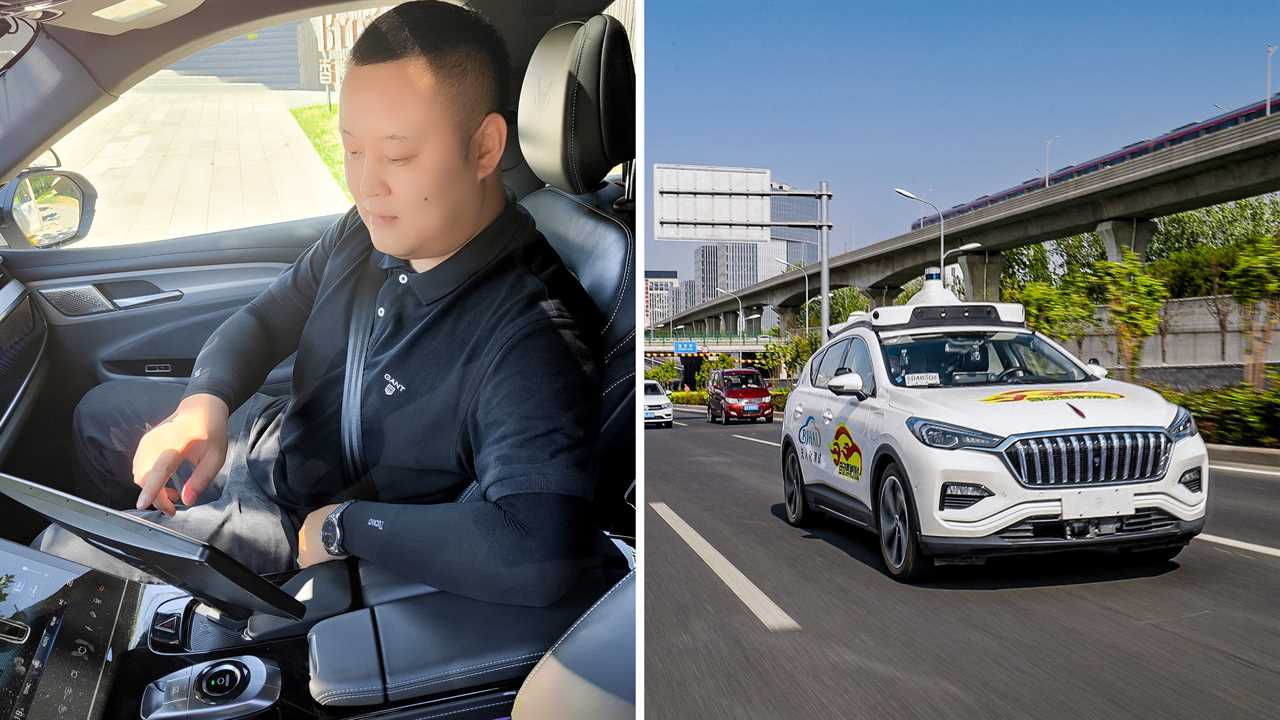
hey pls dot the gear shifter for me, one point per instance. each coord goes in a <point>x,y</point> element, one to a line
<point>214,690</point>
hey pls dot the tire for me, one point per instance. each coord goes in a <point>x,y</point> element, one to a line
<point>710,416</point>
<point>666,424</point>
<point>898,541</point>
<point>795,510</point>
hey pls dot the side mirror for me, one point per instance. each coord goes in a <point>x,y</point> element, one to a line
<point>1094,369</point>
<point>46,208</point>
<point>847,383</point>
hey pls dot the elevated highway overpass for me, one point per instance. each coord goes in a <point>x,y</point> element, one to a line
<point>1118,202</point>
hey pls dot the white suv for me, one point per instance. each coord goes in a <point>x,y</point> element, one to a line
<point>657,406</point>
<point>954,432</point>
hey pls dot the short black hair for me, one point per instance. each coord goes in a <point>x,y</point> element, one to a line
<point>461,47</point>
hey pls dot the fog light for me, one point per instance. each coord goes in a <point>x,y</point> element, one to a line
<point>1191,479</point>
<point>958,496</point>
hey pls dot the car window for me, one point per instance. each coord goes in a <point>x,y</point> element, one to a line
<point>239,134</point>
<point>858,359</point>
<point>832,360</point>
<point>652,388</point>
<point>935,359</point>
<point>743,380</point>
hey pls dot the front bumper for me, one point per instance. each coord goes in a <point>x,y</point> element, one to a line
<point>1011,503</point>
<point>1180,533</point>
<point>657,417</point>
<point>764,409</point>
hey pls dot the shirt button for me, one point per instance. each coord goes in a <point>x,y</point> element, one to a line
<point>403,278</point>
<point>381,312</point>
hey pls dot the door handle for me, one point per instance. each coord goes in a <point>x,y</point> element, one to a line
<point>826,415</point>
<point>139,300</point>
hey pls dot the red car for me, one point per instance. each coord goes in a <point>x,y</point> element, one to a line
<point>738,395</point>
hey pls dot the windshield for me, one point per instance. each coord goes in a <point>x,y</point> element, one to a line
<point>976,358</point>
<point>652,388</point>
<point>743,380</point>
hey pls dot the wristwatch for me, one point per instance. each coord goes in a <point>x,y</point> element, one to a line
<point>331,531</point>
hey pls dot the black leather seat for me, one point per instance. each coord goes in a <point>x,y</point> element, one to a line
<point>590,672</point>
<point>576,121</point>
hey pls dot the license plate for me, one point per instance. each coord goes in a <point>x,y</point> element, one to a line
<point>648,415</point>
<point>751,408</point>
<point>1096,503</point>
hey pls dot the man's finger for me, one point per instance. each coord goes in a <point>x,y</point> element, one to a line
<point>166,464</point>
<point>210,464</point>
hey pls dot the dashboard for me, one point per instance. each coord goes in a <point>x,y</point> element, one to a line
<point>61,635</point>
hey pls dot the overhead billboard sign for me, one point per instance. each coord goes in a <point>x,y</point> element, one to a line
<point>700,203</point>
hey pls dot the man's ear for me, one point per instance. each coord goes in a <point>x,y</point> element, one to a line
<point>488,143</point>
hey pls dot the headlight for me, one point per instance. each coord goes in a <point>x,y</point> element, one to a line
<point>950,437</point>
<point>1183,426</point>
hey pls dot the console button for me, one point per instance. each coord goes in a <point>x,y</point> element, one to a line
<point>221,682</point>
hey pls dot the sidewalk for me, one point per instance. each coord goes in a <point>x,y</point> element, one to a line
<point>183,155</point>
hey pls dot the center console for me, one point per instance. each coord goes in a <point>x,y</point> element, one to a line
<point>214,641</point>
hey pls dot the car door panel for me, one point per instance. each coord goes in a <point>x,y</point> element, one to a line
<point>201,281</point>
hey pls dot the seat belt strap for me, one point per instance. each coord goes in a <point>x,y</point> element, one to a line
<point>367,285</point>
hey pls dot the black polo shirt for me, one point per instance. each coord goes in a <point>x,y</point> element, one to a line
<point>476,370</point>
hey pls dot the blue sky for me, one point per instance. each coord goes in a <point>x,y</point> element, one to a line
<point>957,97</point>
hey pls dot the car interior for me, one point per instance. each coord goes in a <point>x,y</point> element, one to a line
<point>342,639</point>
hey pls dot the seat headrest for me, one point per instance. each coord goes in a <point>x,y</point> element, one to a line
<point>577,112</point>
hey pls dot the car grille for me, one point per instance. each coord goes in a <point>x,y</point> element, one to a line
<point>1144,520</point>
<point>652,407</point>
<point>1090,458</point>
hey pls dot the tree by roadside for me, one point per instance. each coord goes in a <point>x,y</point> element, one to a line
<point>665,374</point>
<point>1133,298</point>
<point>1254,282</point>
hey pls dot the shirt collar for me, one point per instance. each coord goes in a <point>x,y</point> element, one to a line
<point>508,231</point>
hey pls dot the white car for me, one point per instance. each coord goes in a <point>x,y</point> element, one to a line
<point>954,432</point>
<point>657,406</point>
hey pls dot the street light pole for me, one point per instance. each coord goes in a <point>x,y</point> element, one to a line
<point>1271,49</point>
<point>942,225</point>
<point>804,270</point>
<point>824,251</point>
<point>1047,143</point>
<point>735,297</point>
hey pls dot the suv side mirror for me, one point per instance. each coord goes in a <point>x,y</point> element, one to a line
<point>847,383</point>
<point>1094,369</point>
<point>45,208</point>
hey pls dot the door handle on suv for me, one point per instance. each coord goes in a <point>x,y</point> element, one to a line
<point>826,415</point>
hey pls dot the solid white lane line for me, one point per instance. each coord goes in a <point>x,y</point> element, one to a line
<point>1263,549</point>
<point>773,617</point>
<point>762,442</point>
<point>1245,469</point>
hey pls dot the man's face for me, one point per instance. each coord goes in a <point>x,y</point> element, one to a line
<point>407,163</point>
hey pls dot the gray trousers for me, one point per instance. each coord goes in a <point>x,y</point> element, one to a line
<point>237,513</point>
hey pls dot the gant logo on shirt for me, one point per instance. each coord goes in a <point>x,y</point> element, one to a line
<point>392,385</point>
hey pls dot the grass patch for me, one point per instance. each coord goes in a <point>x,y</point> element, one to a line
<point>320,124</point>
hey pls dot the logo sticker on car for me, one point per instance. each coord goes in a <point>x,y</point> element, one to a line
<point>810,441</point>
<point>1042,395</point>
<point>846,454</point>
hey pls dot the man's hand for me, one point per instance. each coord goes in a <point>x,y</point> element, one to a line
<point>196,431</point>
<point>310,549</point>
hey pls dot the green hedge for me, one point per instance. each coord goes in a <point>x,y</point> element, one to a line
<point>1236,415</point>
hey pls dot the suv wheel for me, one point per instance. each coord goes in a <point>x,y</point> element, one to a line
<point>797,513</point>
<point>899,546</point>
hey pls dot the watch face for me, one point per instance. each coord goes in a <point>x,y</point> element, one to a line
<point>328,534</point>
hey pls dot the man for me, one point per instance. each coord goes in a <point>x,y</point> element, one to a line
<point>475,367</point>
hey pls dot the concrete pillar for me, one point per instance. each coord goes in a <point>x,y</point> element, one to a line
<point>1132,233</point>
<point>790,320</point>
<point>981,271</point>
